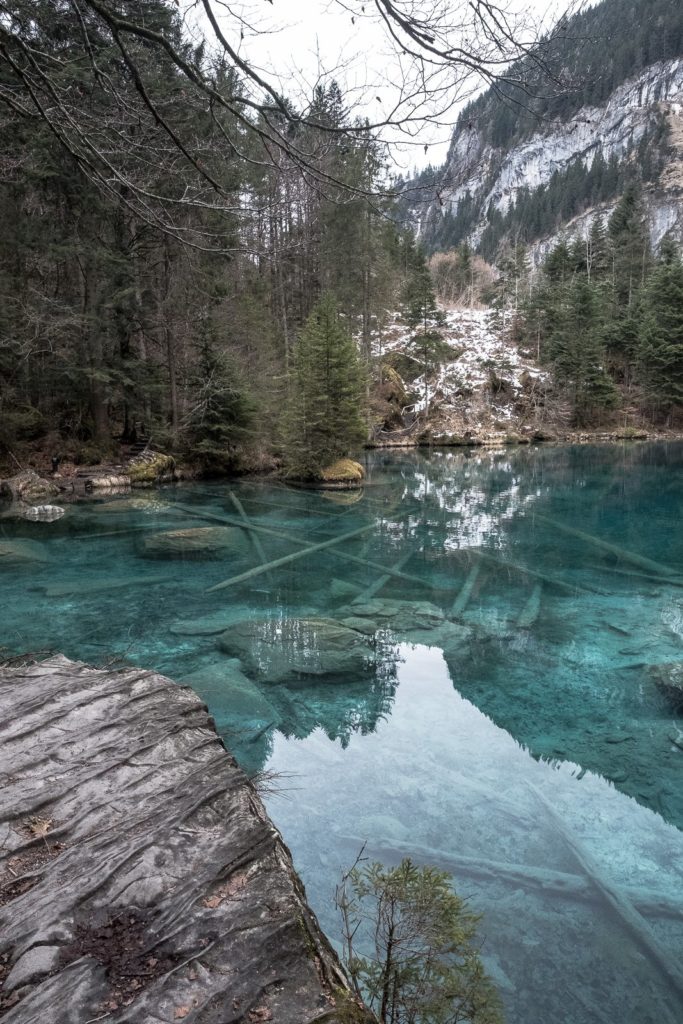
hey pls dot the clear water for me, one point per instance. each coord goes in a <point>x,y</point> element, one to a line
<point>537,761</point>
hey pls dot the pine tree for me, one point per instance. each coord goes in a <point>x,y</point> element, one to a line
<point>578,353</point>
<point>660,350</point>
<point>324,415</point>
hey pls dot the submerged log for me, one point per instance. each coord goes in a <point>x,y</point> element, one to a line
<point>79,587</point>
<point>613,549</point>
<point>140,877</point>
<point>465,593</point>
<point>287,559</point>
<point>254,537</point>
<point>380,583</point>
<point>649,902</point>
<point>632,921</point>
<point>531,609</point>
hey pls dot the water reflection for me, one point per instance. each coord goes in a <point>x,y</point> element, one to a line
<point>579,885</point>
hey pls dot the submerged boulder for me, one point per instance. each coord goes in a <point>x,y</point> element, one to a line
<point>21,552</point>
<point>234,699</point>
<point>195,542</point>
<point>669,679</point>
<point>289,649</point>
<point>28,487</point>
<point>417,622</point>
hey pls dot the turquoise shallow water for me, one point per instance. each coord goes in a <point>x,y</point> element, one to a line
<point>508,728</point>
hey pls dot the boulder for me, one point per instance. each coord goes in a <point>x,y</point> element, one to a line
<point>278,650</point>
<point>195,542</point>
<point>28,487</point>
<point>669,679</point>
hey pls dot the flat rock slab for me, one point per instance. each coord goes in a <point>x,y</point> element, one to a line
<point>140,877</point>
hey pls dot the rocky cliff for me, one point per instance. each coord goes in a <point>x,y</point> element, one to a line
<point>512,174</point>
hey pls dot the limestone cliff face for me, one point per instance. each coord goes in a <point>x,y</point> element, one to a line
<point>494,177</point>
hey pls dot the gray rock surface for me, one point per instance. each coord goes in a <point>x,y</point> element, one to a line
<point>140,878</point>
<point>195,542</point>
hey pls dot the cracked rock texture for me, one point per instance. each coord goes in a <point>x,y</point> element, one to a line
<point>140,877</point>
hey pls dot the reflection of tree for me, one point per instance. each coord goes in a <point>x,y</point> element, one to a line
<point>339,709</point>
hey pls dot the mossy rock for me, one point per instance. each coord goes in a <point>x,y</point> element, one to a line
<point>150,468</point>
<point>342,473</point>
<point>195,542</point>
<point>298,650</point>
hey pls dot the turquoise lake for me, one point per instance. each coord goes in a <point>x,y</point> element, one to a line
<point>486,703</point>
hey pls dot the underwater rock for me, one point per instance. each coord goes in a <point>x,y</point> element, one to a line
<point>417,622</point>
<point>195,542</point>
<point>233,697</point>
<point>21,552</point>
<point>289,649</point>
<point>44,513</point>
<point>28,487</point>
<point>669,679</point>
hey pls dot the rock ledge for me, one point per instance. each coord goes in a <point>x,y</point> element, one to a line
<point>140,877</point>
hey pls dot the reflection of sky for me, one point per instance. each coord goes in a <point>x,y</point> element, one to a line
<point>439,781</point>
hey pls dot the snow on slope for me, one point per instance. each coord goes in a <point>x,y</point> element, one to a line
<point>485,383</point>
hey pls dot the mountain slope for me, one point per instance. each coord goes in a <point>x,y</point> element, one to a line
<point>524,168</point>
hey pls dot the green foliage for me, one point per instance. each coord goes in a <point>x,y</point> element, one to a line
<point>323,421</point>
<point>410,947</point>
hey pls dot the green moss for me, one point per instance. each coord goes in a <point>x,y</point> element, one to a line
<point>150,469</point>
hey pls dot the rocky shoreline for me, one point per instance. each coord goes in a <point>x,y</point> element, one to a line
<point>140,877</point>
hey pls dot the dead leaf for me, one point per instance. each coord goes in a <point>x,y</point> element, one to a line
<point>181,1011</point>
<point>39,827</point>
<point>230,888</point>
<point>260,1013</point>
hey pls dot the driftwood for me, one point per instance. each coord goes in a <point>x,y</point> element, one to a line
<point>465,592</point>
<point>531,609</point>
<point>287,559</point>
<point>556,883</point>
<point>630,918</point>
<point>140,877</point>
<point>664,581</point>
<point>613,549</point>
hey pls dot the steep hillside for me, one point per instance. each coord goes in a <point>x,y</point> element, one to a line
<point>526,168</point>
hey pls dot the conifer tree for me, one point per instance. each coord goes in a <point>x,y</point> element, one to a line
<point>324,419</point>
<point>661,335</point>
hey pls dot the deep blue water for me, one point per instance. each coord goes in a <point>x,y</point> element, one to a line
<point>512,734</point>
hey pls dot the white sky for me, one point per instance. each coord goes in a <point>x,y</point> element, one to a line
<point>296,43</point>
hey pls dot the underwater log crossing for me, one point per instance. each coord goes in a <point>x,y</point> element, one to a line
<point>607,546</point>
<point>140,876</point>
